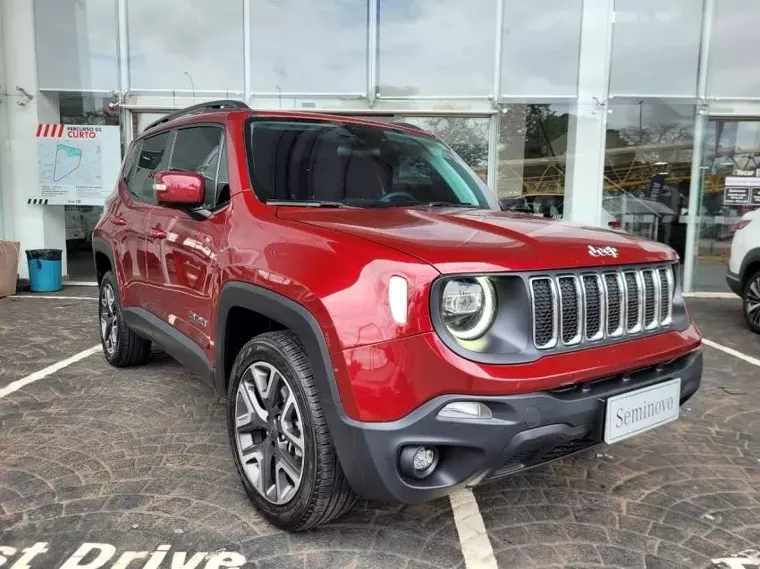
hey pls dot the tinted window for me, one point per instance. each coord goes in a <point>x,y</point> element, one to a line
<point>198,150</point>
<point>359,165</point>
<point>151,159</point>
<point>412,169</point>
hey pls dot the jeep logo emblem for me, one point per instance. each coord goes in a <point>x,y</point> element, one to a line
<point>602,251</point>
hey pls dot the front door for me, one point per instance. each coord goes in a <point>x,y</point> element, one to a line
<point>182,245</point>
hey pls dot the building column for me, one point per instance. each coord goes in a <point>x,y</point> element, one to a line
<point>6,219</point>
<point>36,227</point>
<point>584,180</point>
<point>700,126</point>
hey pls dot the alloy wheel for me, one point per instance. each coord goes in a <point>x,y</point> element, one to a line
<point>109,322</point>
<point>269,433</point>
<point>752,302</point>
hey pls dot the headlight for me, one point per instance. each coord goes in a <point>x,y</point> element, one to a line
<point>468,307</point>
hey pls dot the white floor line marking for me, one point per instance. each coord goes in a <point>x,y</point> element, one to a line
<point>710,295</point>
<point>80,283</point>
<point>476,547</point>
<point>37,375</point>
<point>44,297</point>
<point>731,351</point>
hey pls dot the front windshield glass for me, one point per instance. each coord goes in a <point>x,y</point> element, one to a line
<point>357,165</point>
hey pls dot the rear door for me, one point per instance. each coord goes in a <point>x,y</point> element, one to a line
<point>131,217</point>
<point>183,245</point>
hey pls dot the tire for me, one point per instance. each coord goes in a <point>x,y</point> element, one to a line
<point>123,347</point>
<point>321,493</point>
<point>751,302</point>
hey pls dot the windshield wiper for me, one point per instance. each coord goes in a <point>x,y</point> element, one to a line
<point>381,204</point>
<point>451,204</point>
<point>307,203</point>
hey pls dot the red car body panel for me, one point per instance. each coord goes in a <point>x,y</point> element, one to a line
<point>336,264</point>
<point>386,381</point>
<point>463,240</point>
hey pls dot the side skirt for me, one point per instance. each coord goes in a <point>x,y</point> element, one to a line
<point>176,344</point>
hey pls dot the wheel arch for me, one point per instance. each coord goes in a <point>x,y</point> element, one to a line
<point>284,313</point>
<point>347,435</point>
<point>103,258</point>
<point>750,265</point>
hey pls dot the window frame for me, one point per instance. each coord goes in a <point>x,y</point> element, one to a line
<point>129,161</point>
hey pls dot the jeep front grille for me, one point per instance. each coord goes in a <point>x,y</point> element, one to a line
<point>544,306</point>
<point>588,307</point>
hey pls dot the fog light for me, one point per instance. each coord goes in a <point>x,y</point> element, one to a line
<point>423,458</point>
<point>418,461</point>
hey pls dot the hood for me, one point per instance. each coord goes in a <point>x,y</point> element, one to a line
<point>457,240</point>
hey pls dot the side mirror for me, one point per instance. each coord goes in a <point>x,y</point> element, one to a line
<point>179,188</point>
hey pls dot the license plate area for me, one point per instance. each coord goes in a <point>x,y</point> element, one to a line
<point>641,410</point>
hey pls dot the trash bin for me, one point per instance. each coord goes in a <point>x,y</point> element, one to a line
<point>45,269</point>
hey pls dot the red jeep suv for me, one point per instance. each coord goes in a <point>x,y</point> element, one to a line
<point>378,326</point>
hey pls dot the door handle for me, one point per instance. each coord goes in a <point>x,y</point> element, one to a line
<point>157,233</point>
<point>119,220</point>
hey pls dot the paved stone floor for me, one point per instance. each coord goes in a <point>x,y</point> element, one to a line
<point>138,458</point>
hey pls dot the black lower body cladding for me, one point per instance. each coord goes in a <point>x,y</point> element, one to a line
<point>525,431</point>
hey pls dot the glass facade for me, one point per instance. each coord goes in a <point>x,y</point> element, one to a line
<point>191,50</point>
<point>536,96</point>
<point>304,46</point>
<point>532,149</point>
<point>540,47</point>
<point>77,47</point>
<point>733,41</point>
<point>428,48</point>
<point>730,188</point>
<point>647,173</point>
<point>648,59</point>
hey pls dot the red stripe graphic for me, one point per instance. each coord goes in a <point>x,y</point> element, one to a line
<point>50,130</point>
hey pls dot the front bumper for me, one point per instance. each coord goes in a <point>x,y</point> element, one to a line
<point>526,430</point>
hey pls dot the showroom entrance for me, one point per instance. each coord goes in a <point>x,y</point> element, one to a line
<point>730,187</point>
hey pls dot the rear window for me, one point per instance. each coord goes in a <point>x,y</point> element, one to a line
<point>151,158</point>
<point>356,164</point>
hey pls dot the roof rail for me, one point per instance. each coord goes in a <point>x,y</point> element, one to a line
<point>201,107</point>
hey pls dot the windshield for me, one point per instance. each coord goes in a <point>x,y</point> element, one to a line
<point>347,164</point>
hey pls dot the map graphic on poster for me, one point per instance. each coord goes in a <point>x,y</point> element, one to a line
<point>77,164</point>
<point>67,160</point>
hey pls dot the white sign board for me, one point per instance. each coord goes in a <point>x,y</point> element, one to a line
<point>77,164</point>
<point>742,182</point>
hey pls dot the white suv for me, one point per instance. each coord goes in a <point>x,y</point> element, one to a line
<point>744,267</point>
